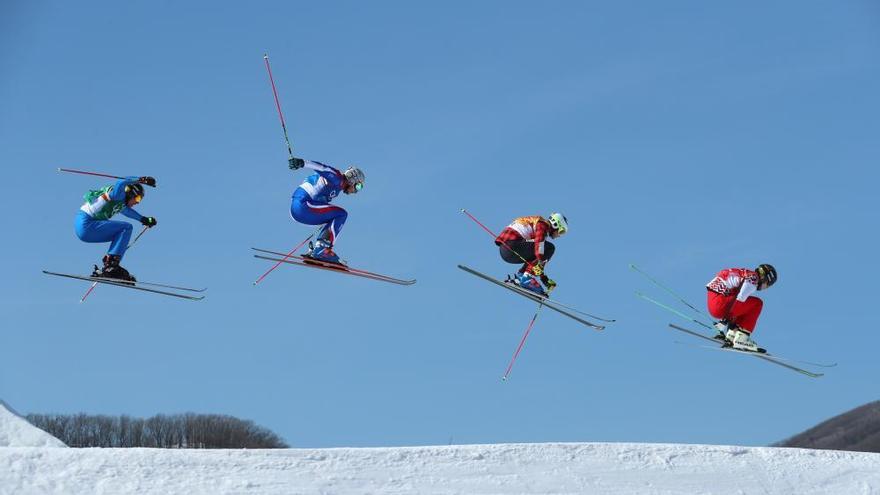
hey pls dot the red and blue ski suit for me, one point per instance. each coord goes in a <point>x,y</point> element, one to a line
<point>310,203</point>
<point>730,297</point>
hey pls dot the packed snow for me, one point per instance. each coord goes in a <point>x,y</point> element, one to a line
<point>605,468</point>
<point>15,431</point>
<point>29,466</point>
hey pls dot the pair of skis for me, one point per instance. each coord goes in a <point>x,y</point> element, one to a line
<point>297,260</point>
<point>163,289</point>
<point>543,302</point>
<point>719,343</point>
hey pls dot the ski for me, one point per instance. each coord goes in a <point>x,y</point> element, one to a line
<point>785,363</point>
<point>546,301</point>
<point>322,265</point>
<point>134,285</point>
<point>774,356</point>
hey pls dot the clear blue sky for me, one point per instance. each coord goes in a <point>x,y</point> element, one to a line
<point>685,137</point>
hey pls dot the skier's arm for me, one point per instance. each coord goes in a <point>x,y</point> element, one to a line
<point>131,213</point>
<point>540,235</point>
<point>321,168</point>
<point>749,286</point>
<point>118,191</point>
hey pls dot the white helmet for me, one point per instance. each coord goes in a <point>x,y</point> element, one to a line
<point>559,223</point>
<point>355,177</point>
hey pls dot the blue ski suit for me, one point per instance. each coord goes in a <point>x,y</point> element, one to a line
<point>93,222</point>
<point>310,203</point>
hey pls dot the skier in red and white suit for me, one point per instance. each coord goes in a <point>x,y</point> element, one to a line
<point>729,298</point>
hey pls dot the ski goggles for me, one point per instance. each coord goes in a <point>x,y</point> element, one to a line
<point>358,186</point>
<point>137,198</point>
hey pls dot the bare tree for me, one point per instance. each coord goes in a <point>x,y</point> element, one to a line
<point>189,430</point>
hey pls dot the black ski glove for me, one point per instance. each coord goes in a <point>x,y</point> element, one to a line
<point>149,221</point>
<point>150,181</point>
<point>296,163</point>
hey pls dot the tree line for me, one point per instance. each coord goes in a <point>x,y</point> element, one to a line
<point>167,431</point>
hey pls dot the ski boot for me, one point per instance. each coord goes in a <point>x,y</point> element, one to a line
<point>113,270</point>
<point>726,331</point>
<point>529,282</point>
<point>322,250</point>
<point>742,341</point>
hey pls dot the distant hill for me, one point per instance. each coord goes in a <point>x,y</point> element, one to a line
<point>857,430</point>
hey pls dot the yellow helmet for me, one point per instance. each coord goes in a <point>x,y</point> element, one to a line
<point>559,223</point>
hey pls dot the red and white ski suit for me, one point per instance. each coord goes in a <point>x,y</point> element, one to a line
<point>730,297</point>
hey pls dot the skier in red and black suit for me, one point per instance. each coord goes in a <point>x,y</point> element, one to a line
<point>524,241</point>
<point>730,299</point>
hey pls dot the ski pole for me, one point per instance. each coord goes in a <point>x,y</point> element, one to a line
<point>278,106</point>
<point>522,342</point>
<point>137,237</point>
<point>493,235</point>
<point>675,311</point>
<point>670,291</point>
<point>83,172</point>
<point>288,255</point>
<point>95,284</point>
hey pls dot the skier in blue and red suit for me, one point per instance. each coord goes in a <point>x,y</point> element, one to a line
<point>93,222</point>
<point>310,203</point>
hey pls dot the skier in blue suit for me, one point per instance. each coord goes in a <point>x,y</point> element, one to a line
<point>93,222</point>
<point>310,203</point>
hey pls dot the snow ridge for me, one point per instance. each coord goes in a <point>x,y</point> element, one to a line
<point>15,431</point>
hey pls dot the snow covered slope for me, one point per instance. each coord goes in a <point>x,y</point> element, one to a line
<point>502,469</point>
<point>15,431</point>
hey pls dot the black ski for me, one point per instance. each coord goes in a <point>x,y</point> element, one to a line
<point>534,297</point>
<point>134,285</point>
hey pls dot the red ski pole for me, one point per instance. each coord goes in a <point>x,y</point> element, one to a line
<point>278,106</point>
<point>522,342</point>
<point>288,255</point>
<point>493,235</point>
